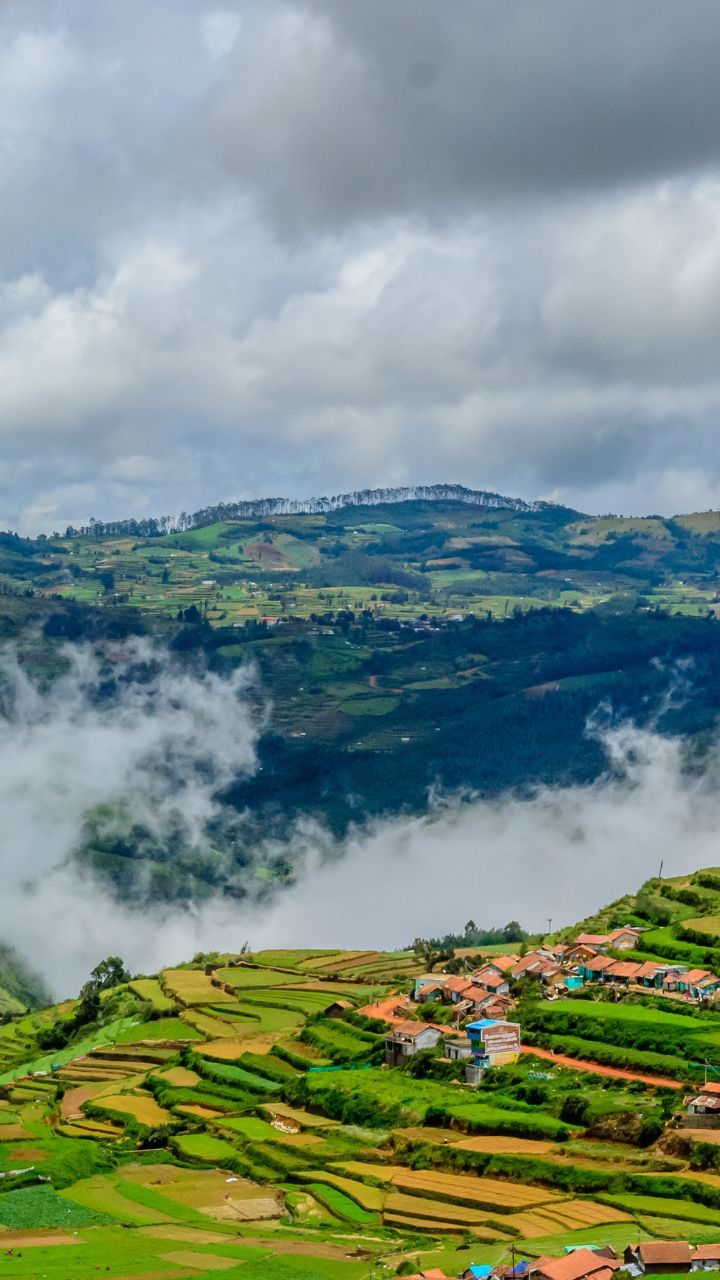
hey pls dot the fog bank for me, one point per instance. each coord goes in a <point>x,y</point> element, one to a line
<point>164,741</point>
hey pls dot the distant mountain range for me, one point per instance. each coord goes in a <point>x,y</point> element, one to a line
<point>262,508</point>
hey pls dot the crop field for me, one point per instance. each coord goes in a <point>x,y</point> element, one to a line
<point>193,986</point>
<point>142,1108</point>
<point>221,1129</point>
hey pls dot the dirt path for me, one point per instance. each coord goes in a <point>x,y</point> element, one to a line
<point>579,1064</point>
<point>383,1010</point>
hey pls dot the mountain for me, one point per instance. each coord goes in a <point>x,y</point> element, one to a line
<point>409,647</point>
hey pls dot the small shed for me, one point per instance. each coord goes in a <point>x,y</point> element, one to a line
<point>338,1009</point>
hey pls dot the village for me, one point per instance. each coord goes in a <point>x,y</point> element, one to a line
<point>601,1262</point>
<point>480,1002</point>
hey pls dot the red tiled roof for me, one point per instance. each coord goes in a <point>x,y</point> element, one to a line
<point>575,1266</point>
<point>593,939</point>
<point>620,933</point>
<point>664,1252</point>
<point>456,983</point>
<point>623,969</point>
<point>706,1252</point>
<point>490,980</point>
<point>503,963</point>
<point>476,994</point>
<point>694,975</point>
<point>648,969</point>
<point>598,963</point>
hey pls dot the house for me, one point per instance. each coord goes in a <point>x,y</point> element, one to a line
<point>494,1043</point>
<point>425,980</point>
<point>594,969</point>
<point>534,964</point>
<point>521,1268</point>
<point>696,984</point>
<point>480,1271</point>
<point>430,991</point>
<point>409,1038</point>
<point>620,973</point>
<point>337,1009</point>
<point>704,1104</point>
<point>581,1264</point>
<point>650,974</point>
<point>433,1274</point>
<point>505,963</point>
<point>706,1257</point>
<point>592,939</point>
<point>624,939</point>
<point>496,1007</point>
<point>492,980</point>
<point>659,1256</point>
<point>578,952</point>
<point>455,986</point>
<point>457,1048</point>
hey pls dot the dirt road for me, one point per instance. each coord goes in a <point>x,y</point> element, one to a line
<point>579,1064</point>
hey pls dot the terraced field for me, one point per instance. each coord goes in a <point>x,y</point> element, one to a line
<point>202,1126</point>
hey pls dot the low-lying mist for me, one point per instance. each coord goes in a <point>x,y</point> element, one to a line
<point>129,730</point>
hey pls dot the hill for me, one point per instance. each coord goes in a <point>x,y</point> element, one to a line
<point>455,642</point>
<point>233,1113</point>
<point>20,987</point>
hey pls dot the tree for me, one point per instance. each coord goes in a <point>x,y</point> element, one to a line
<point>470,927</point>
<point>110,972</point>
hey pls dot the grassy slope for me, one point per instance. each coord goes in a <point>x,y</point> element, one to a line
<point>329,1171</point>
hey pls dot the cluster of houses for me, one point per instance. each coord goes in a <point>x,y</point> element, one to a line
<point>484,993</point>
<point>565,967</point>
<point>594,1262</point>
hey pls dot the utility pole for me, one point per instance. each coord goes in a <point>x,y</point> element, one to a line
<point>512,1253</point>
<point>549,924</point>
<point>662,864</point>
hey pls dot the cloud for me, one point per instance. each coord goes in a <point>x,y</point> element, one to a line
<point>296,247</point>
<point>128,730</point>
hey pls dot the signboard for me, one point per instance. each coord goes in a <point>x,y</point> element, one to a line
<point>502,1038</point>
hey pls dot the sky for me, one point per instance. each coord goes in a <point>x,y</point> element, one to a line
<point>295,247</point>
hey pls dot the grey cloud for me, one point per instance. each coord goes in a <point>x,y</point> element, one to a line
<point>344,111</point>
<point>293,246</point>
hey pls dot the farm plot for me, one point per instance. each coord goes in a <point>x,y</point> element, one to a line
<point>194,986</point>
<point>206,1191</point>
<point>161,1029</point>
<point>149,989</point>
<point>567,1215</point>
<point>341,1205</point>
<point>242,976</point>
<point>202,1146</point>
<point>102,1195</point>
<point>141,1107</point>
<point>433,1212</point>
<point>370,1198</point>
<point>667,1207</point>
<point>487,1193</point>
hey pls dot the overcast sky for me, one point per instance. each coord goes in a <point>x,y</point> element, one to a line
<point>299,246</point>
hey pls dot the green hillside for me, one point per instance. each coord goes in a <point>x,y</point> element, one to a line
<point>233,1113</point>
<point>402,647</point>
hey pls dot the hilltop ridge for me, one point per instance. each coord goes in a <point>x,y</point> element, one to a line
<point>262,508</point>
